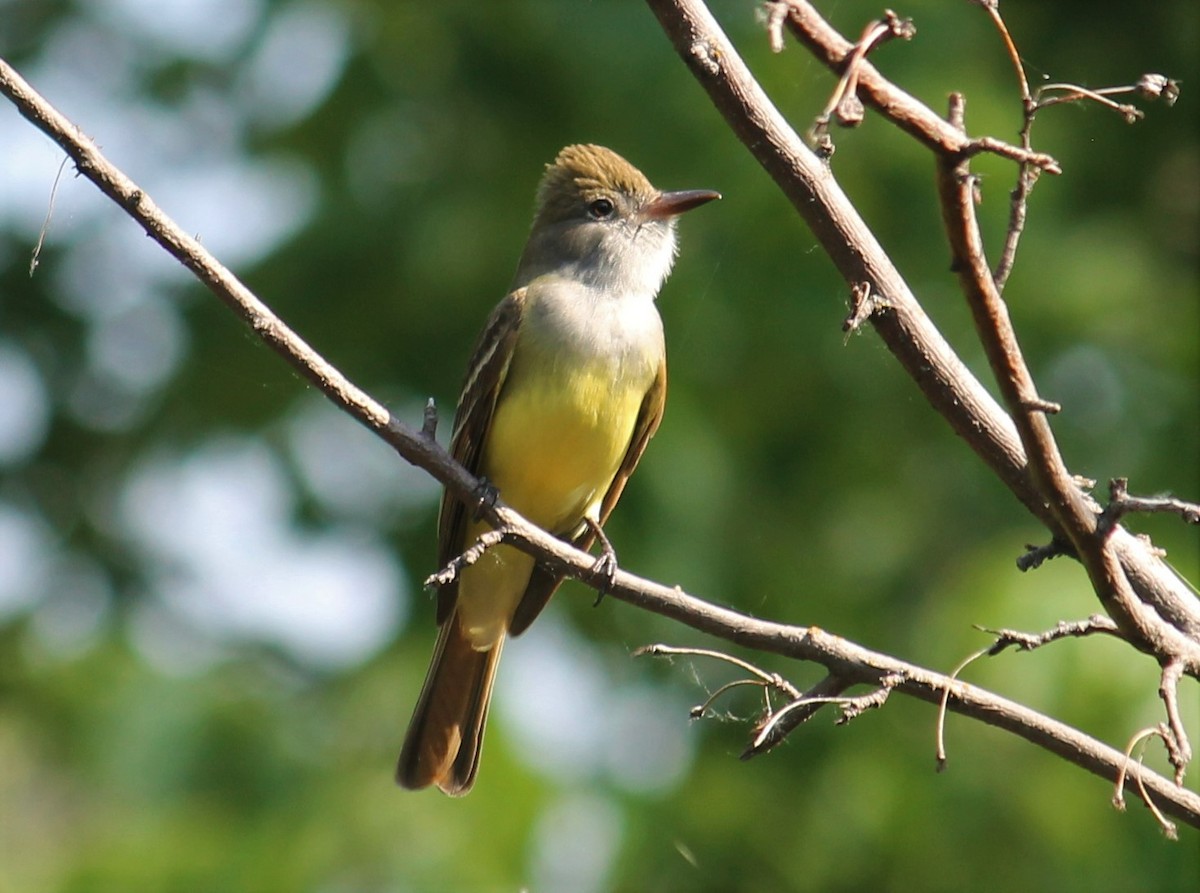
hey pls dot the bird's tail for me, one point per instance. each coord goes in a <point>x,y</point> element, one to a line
<point>445,734</point>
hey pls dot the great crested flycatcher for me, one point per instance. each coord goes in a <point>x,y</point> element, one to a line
<point>565,387</point>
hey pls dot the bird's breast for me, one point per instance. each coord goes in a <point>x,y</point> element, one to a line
<point>567,411</point>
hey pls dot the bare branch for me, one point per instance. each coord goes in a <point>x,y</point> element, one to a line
<point>852,665</point>
<point>1179,748</point>
<point>776,726</point>
<point>902,324</point>
<point>995,330</point>
<point>487,540</point>
<point>1074,512</point>
<point>896,106</point>
<point>1121,503</point>
<point>1151,607</point>
<point>844,106</point>
<point>1011,638</point>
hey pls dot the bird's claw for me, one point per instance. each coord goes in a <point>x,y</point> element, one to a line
<point>485,497</point>
<point>605,566</point>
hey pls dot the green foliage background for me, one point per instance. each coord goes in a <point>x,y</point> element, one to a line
<point>149,745</point>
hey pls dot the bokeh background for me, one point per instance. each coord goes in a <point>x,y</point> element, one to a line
<point>212,624</point>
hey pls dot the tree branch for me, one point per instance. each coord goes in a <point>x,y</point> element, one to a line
<point>1153,608</point>
<point>1166,615</point>
<point>1074,512</point>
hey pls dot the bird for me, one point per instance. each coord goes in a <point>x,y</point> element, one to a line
<point>565,387</point>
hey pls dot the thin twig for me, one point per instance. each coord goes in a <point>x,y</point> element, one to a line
<point>779,725</point>
<point>487,540</point>
<point>844,106</point>
<point>1120,503</point>
<point>1027,174</point>
<point>1118,800</point>
<point>1179,748</point>
<point>895,105</point>
<point>853,708</point>
<point>1074,93</point>
<point>1169,830</point>
<point>701,710</point>
<point>1011,638</point>
<point>35,255</point>
<point>992,7</point>
<point>660,650</point>
<point>1035,556</point>
<point>429,420</point>
<point>943,704</point>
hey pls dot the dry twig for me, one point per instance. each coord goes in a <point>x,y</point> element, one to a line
<point>844,106</point>
<point>1011,638</point>
<point>1120,503</point>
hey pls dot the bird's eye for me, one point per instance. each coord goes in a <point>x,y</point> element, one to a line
<point>601,208</point>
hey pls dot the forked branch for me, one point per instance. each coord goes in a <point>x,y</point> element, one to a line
<point>1150,606</point>
<point>1160,607</point>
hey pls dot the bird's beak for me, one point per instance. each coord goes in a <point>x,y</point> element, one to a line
<point>669,204</point>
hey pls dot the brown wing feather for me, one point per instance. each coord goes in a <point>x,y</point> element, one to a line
<point>485,377</point>
<point>542,582</point>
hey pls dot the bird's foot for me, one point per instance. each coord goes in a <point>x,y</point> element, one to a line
<point>606,562</point>
<point>485,497</point>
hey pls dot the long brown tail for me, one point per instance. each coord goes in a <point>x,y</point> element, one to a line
<point>445,734</point>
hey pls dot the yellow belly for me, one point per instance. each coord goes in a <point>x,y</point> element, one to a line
<point>555,445</point>
<point>553,450</point>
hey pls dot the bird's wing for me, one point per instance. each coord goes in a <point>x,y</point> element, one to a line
<point>649,416</point>
<point>484,381</point>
